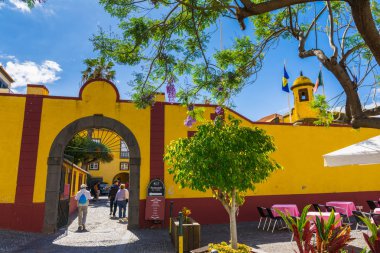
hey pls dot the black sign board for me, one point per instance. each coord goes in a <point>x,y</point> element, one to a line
<point>156,188</point>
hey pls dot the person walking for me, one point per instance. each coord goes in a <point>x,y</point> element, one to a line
<point>83,196</point>
<point>111,196</point>
<point>122,197</point>
<point>96,190</point>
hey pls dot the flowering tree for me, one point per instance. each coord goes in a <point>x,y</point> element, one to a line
<point>223,157</point>
<point>176,39</point>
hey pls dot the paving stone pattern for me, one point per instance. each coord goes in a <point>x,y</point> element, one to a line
<point>106,234</point>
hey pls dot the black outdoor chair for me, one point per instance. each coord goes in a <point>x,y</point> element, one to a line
<point>376,218</point>
<point>359,222</point>
<point>330,209</point>
<point>319,207</point>
<point>372,205</point>
<point>316,207</point>
<point>271,217</point>
<point>336,210</point>
<point>263,214</point>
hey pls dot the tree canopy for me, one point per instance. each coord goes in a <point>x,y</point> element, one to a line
<point>223,157</point>
<point>98,68</point>
<point>172,40</point>
<point>84,150</point>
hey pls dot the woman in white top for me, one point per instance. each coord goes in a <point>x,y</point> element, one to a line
<point>121,198</point>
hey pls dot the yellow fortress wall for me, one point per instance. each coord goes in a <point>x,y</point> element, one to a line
<point>53,121</point>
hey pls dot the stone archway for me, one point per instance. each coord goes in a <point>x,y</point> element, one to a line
<point>56,158</point>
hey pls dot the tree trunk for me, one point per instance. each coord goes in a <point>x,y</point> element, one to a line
<point>362,14</point>
<point>232,213</point>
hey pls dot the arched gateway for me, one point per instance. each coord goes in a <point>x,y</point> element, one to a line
<point>55,164</point>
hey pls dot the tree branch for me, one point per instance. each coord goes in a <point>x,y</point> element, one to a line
<point>314,21</point>
<point>362,14</point>
<point>251,8</point>
<point>331,35</point>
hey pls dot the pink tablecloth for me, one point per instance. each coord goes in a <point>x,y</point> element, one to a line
<point>286,209</point>
<point>376,210</point>
<point>325,217</point>
<point>345,207</point>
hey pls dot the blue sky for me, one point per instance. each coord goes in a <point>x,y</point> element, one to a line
<point>47,45</point>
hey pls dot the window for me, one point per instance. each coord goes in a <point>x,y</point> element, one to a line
<point>97,140</point>
<point>304,96</point>
<point>124,151</point>
<point>3,85</point>
<point>124,166</point>
<point>93,166</point>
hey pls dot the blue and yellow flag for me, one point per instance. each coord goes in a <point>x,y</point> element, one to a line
<point>285,86</point>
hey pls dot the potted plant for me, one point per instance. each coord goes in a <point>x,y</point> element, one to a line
<point>191,231</point>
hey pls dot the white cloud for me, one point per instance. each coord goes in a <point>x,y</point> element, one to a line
<point>7,57</point>
<point>2,4</point>
<point>29,72</point>
<point>20,5</point>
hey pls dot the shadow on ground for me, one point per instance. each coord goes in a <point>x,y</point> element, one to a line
<point>107,235</point>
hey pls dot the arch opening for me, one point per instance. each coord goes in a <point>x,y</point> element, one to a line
<point>56,157</point>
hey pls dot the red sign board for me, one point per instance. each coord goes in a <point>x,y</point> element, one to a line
<point>155,208</point>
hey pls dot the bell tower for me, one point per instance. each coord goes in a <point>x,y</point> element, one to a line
<point>303,94</point>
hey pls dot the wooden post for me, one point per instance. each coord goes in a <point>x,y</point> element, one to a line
<point>180,233</point>
<point>170,216</point>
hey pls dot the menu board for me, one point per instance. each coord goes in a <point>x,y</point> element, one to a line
<point>155,201</point>
<point>155,208</point>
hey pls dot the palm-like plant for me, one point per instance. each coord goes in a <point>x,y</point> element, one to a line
<point>329,237</point>
<point>98,68</point>
<point>372,240</point>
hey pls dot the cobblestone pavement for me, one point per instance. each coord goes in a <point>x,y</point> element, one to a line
<point>109,235</point>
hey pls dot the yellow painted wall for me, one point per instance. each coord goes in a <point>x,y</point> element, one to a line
<point>109,170</point>
<point>75,174</point>
<point>98,98</point>
<point>174,129</point>
<point>300,148</point>
<point>11,124</point>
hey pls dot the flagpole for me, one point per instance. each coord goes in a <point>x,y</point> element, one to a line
<point>290,110</point>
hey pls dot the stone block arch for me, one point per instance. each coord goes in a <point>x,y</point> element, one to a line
<point>55,160</point>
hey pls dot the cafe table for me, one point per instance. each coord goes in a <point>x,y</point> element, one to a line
<point>324,215</point>
<point>291,209</point>
<point>345,207</point>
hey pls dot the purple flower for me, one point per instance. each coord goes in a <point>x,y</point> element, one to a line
<point>189,121</point>
<point>170,90</point>
<point>190,108</point>
<point>218,110</point>
<point>220,88</point>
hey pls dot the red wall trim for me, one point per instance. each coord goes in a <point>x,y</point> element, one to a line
<point>211,211</point>
<point>29,150</point>
<point>157,141</point>
<point>22,217</point>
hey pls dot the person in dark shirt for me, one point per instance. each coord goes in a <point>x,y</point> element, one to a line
<point>111,196</point>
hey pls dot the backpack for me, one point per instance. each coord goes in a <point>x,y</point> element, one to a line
<point>82,200</point>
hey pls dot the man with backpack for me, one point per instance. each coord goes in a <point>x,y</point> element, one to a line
<point>83,196</point>
<point>111,196</point>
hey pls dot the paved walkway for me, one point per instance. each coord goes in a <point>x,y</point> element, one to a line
<point>109,235</point>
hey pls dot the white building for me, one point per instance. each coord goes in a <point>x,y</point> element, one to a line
<point>5,81</point>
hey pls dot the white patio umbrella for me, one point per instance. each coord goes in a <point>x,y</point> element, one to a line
<point>365,152</point>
